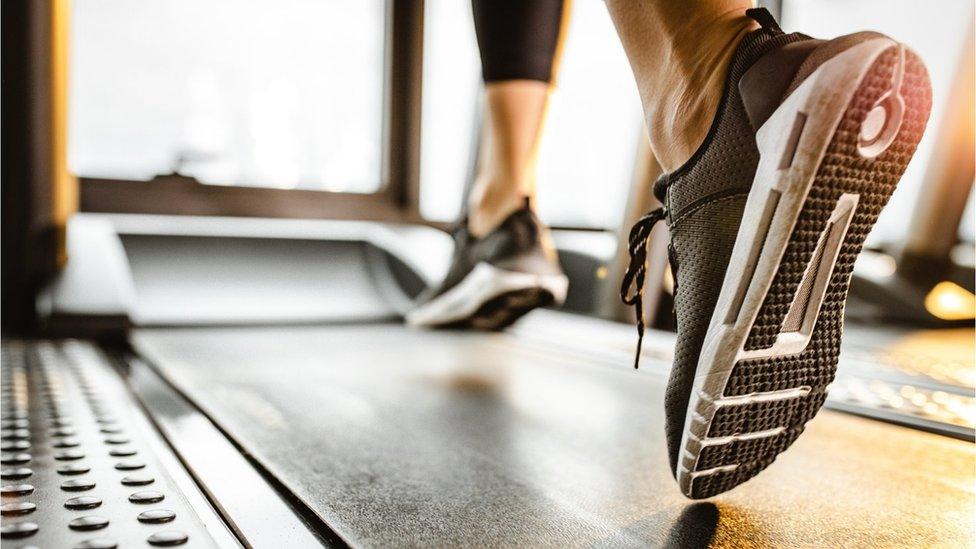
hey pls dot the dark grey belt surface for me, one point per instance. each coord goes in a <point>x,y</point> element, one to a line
<point>403,437</point>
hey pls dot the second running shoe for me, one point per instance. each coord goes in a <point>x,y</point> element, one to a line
<point>766,220</point>
<point>494,280</point>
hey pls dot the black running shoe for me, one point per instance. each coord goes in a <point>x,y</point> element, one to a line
<point>495,280</point>
<point>766,220</point>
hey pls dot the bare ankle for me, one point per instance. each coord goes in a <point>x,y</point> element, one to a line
<point>492,201</point>
<point>679,117</point>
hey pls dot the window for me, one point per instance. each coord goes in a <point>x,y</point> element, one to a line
<point>450,109</point>
<point>590,144</point>
<point>591,136</point>
<point>231,92</point>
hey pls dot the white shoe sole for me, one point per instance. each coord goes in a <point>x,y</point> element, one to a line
<point>484,284</point>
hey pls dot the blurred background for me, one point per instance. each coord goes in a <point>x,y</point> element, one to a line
<point>247,94</point>
<point>268,164</point>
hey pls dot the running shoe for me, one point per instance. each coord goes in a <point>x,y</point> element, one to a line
<point>495,280</point>
<point>766,220</point>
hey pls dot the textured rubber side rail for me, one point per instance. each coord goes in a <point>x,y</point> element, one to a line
<point>842,171</point>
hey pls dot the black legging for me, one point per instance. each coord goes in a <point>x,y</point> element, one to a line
<point>518,39</point>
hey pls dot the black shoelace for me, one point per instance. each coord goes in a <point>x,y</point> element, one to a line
<point>640,235</point>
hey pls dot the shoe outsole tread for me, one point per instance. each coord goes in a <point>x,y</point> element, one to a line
<point>505,309</point>
<point>758,431</point>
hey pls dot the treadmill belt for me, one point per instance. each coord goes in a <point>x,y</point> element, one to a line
<point>402,437</point>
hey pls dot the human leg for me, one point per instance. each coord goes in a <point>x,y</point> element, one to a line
<point>519,42</point>
<point>504,264</point>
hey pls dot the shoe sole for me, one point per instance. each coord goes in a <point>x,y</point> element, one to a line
<point>773,341</point>
<point>490,298</point>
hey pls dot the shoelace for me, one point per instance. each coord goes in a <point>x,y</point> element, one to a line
<point>640,235</point>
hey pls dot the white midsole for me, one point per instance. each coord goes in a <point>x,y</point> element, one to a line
<point>484,283</point>
<point>823,98</point>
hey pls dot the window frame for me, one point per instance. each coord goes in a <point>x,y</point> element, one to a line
<point>397,199</point>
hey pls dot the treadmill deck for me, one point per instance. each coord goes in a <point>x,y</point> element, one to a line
<point>395,436</point>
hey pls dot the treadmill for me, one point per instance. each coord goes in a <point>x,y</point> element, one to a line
<point>230,377</point>
<point>241,412</point>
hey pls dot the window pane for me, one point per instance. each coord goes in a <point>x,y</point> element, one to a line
<point>451,84</point>
<point>967,226</point>
<point>589,146</point>
<point>937,34</point>
<point>590,138</point>
<point>285,94</point>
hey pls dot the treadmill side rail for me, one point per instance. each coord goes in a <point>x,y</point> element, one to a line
<point>248,502</point>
